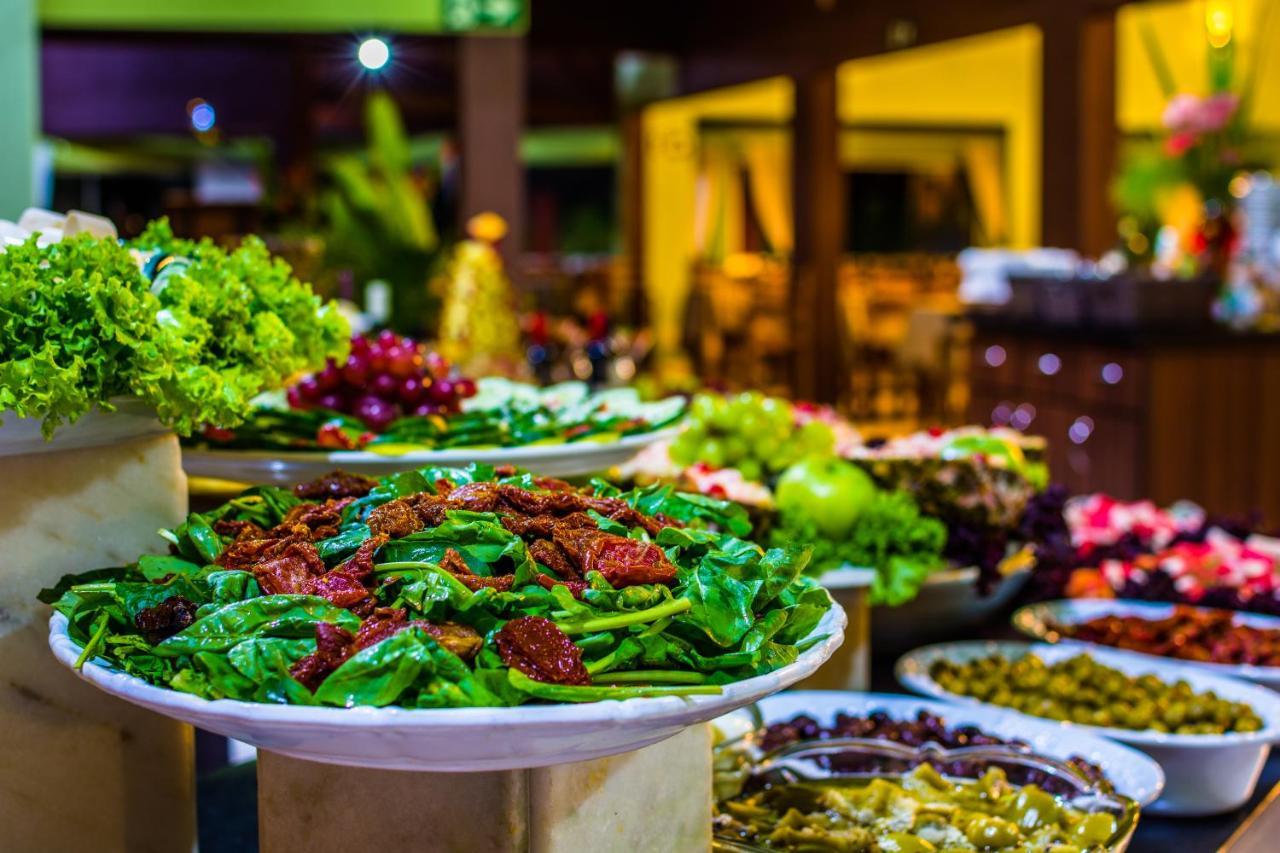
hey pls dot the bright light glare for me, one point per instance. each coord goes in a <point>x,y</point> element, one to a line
<point>203,117</point>
<point>1218,22</point>
<point>374,53</point>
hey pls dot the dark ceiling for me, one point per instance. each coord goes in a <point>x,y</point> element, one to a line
<point>114,85</point>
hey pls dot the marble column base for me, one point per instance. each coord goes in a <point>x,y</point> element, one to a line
<point>80,770</point>
<point>654,799</point>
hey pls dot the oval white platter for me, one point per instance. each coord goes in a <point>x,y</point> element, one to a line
<point>285,468</point>
<point>1133,774</point>
<point>1206,774</point>
<point>1037,620</point>
<point>450,739</point>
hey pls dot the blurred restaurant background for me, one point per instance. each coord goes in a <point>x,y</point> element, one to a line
<point>1055,215</point>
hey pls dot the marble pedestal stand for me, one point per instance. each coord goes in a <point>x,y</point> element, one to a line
<point>81,770</point>
<point>653,799</point>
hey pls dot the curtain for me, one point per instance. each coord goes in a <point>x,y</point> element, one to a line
<point>986,181</point>
<point>767,156</point>
<point>718,222</point>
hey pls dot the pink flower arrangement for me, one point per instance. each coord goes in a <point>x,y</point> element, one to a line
<point>1192,115</point>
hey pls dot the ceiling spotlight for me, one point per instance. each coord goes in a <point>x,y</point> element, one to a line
<point>374,53</point>
<point>203,117</point>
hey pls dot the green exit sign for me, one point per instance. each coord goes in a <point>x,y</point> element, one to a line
<point>394,16</point>
<point>469,15</point>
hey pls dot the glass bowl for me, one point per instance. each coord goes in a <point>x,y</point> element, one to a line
<point>861,759</point>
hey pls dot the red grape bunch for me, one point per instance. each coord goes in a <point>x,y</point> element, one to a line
<point>384,378</point>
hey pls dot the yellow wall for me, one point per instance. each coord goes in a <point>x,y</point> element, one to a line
<point>989,80</point>
<point>992,79</point>
<point>1179,27</point>
<point>670,177</point>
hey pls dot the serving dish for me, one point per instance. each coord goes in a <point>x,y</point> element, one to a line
<point>454,739</point>
<point>948,601</point>
<point>804,764</point>
<point>281,469</point>
<point>1205,774</point>
<point>1037,621</point>
<point>132,419</point>
<point>1133,774</point>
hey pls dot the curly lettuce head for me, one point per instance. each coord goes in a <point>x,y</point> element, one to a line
<point>80,324</point>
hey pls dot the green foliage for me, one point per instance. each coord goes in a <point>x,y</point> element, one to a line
<point>77,322</point>
<point>234,323</point>
<point>379,217</point>
<point>81,325</point>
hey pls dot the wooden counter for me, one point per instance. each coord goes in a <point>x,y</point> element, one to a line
<point>1164,415</point>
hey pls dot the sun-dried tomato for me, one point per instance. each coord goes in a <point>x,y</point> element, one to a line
<point>333,646</point>
<point>381,624</point>
<point>550,555</point>
<point>395,520</point>
<point>290,570</point>
<point>360,564</point>
<point>336,484</point>
<point>463,640</point>
<point>238,529</point>
<point>622,561</point>
<point>340,588</point>
<point>576,588</point>
<point>322,519</point>
<point>166,618</point>
<point>540,650</point>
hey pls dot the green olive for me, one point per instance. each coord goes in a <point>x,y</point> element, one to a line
<point>1034,808</point>
<point>990,831</point>
<point>1084,691</point>
<point>1096,828</point>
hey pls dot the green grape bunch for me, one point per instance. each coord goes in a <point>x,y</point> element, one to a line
<point>755,434</point>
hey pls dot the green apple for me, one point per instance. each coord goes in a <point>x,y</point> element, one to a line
<point>828,490</point>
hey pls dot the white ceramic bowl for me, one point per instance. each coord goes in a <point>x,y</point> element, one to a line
<point>96,428</point>
<point>1133,774</point>
<point>948,602</point>
<point>1205,774</point>
<point>452,739</point>
<point>284,467</point>
<point>1037,620</point>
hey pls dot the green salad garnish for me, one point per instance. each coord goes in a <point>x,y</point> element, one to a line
<point>891,536</point>
<point>450,588</point>
<point>81,324</point>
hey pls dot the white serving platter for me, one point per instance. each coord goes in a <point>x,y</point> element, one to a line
<point>131,420</point>
<point>948,602</point>
<point>285,468</point>
<point>450,739</point>
<point>1206,774</point>
<point>1037,620</point>
<point>1132,773</point>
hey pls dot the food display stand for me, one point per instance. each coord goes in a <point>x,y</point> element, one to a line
<point>91,497</point>
<point>850,666</point>
<point>551,778</point>
<point>606,804</point>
